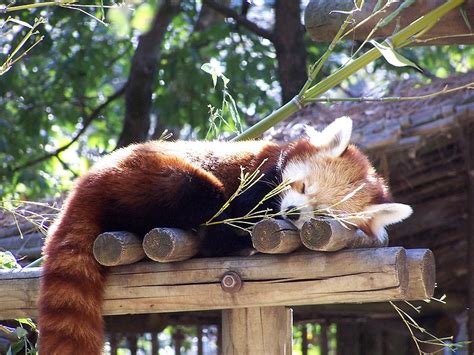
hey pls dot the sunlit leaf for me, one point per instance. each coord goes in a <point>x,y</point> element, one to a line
<point>19,22</point>
<point>392,56</point>
<point>143,17</point>
<point>119,19</point>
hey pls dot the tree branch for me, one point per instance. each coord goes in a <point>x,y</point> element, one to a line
<point>94,114</point>
<point>142,77</point>
<point>240,19</point>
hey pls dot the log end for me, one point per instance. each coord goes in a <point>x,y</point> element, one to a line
<point>170,244</point>
<point>117,248</point>
<point>422,274</point>
<point>316,234</point>
<point>275,236</point>
<point>158,243</point>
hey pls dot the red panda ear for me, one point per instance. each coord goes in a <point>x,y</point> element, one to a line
<point>334,139</point>
<point>384,214</point>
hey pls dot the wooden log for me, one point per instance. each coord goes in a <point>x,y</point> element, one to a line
<point>322,21</point>
<point>275,236</point>
<point>347,276</point>
<point>330,235</point>
<point>118,248</point>
<point>260,330</point>
<point>170,244</point>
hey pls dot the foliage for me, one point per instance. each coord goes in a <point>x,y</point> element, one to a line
<point>52,90</point>
<point>25,325</point>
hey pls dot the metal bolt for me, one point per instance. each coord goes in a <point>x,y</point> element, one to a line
<point>231,282</point>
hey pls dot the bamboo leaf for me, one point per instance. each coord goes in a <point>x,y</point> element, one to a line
<point>208,68</point>
<point>391,56</point>
<point>462,10</point>
<point>19,22</point>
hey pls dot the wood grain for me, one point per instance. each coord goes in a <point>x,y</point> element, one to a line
<point>347,276</point>
<point>258,330</point>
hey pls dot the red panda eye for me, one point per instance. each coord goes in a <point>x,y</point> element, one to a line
<point>303,188</point>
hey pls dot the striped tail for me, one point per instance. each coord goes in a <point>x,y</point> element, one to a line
<point>71,290</point>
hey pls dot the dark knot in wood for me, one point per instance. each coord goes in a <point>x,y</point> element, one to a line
<point>231,282</point>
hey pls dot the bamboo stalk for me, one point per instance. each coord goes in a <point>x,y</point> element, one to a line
<point>397,40</point>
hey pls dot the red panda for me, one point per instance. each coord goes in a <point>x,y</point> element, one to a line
<point>184,184</point>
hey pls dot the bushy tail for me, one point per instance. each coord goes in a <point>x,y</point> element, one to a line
<point>71,289</point>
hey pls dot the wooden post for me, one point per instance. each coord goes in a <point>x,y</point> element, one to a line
<point>170,244</point>
<point>323,339</point>
<point>178,338</point>
<point>348,340</point>
<point>330,235</point>
<point>200,350</point>
<point>260,330</point>
<point>118,248</point>
<point>113,343</point>
<point>132,343</point>
<point>469,161</point>
<point>155,345</point>
<point>275,236</point>
<point>304,339</point>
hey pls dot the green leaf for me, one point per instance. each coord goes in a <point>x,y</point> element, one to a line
<point>392,56</point>
<point>119,18</point>
<point>21,332</point>
<point>208,68</point>
<point>19,22</point>
<point>143,17</point>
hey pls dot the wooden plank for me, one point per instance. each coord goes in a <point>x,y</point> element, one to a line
<point>349,276</point>
<point>260,330</point>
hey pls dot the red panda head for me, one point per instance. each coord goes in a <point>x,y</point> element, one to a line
<point>330,177</point>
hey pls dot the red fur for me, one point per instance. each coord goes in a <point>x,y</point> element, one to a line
<point>155,184</point>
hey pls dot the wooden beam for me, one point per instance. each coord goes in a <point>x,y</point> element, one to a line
<point>348,276</point>
<point>322,21</point>
<point>260,330</point>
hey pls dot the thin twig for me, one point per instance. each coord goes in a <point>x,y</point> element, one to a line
<point>469,86</point>
<point>240,19</point>
<point>76,136</point>
<point>443,37</point>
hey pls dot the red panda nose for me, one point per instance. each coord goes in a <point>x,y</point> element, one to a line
<point>293,213</point>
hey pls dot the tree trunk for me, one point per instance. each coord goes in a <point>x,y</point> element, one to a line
<point>290,48</point>
<point>143,76</point>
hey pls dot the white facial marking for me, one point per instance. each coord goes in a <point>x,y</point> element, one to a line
<point>296,171</point>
